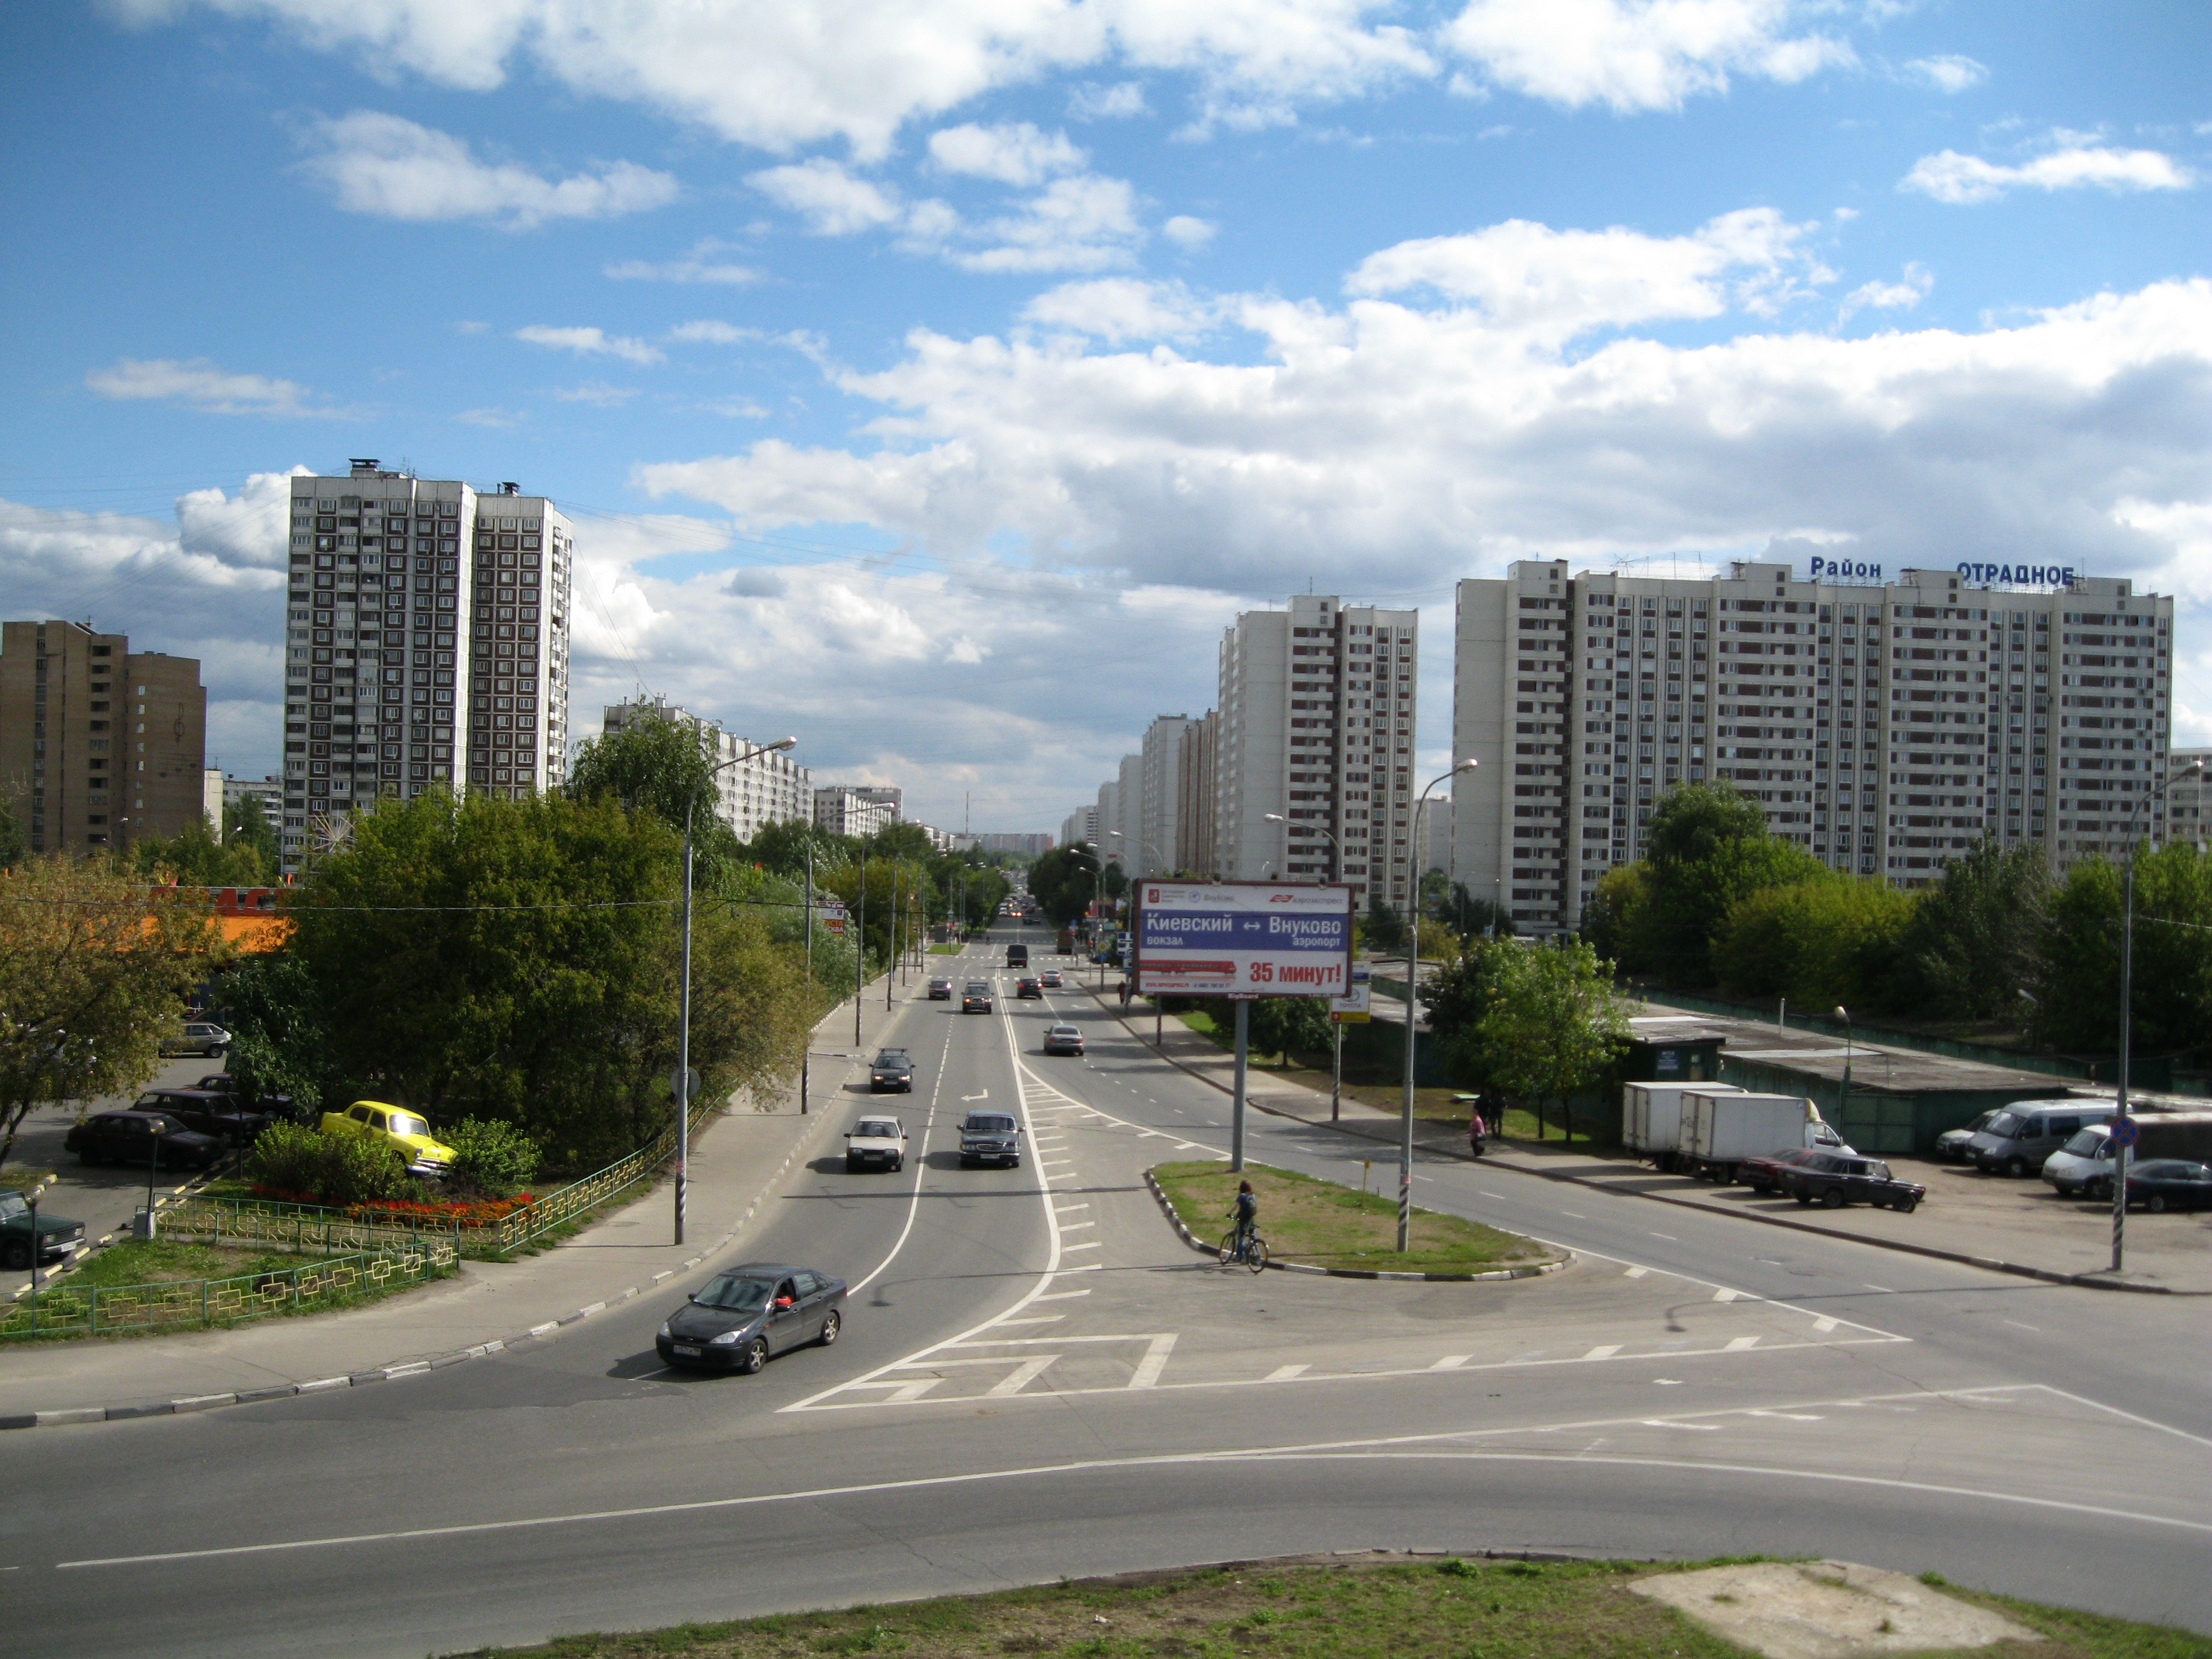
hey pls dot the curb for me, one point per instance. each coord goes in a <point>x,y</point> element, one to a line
<point>71,1415</point>
<point>1167,1209</point>
<point>1988,1264</point>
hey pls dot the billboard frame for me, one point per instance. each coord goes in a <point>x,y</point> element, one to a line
<point>1253,990</point>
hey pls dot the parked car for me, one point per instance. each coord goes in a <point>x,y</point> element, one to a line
<point>2083,1166</point>
<point>1836,1180</point>
<point>57,1237</point>
<point>1063,1039</point>
<point>738,1319</point>
<point>203,1110</point>
<point>1029,989</point>
<point>1956,1145</point>
<point>199,1036</point>
<point>876,1143</point>
<point>2169,1184</point>
<point>976,999</point>
<point>406,1132</point>
<point>2021,1137</point>
<point>891,1072</point>
<point>133,1137</point>
<point>1051,980</point>
<point>940,990</point>
<point>1763,1175</point>
<point>990,1138</point>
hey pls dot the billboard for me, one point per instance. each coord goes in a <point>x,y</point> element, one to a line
<point>1242,938</point>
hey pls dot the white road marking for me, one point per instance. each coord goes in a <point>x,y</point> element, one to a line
<point>2037,1329</point>
<point>1724,1294</point>
<point>1699,1428</point>
<point>1020,1377</point>
<point>1738,1344</point>
<point>1451,1362</point>
<point>1284,1373</point>
<point>1071,1227</point>
<point>1604,1350</point>
<point>1154,1362</point>
<point>1093,1244</point>
<point>1636,1273</point>
<point>1577,1214</point>
<point>1824,1323</point>
<point>1050,1296</point>
<point>1884,1289</point>
<point>985,1095</point>
<point>1033,1319</point>
<point>1670,1238</point>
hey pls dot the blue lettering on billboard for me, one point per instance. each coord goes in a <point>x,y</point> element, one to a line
<point>1853,570</point>
<point>2020,575</point>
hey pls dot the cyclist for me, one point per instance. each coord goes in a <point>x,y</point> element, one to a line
<point>1248,1217</point>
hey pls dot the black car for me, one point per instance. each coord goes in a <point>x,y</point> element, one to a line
<point>207,1112</point>
<point>990,1138</point>
<point>134,1137</point>
<point>1029,988</point>
<point>59,1237</point>
<point>2169,1184</point>
<point>976,999</point>
<point>739,1318</point>
<point>891,1073</point>
<point>940,990</point>
<point>1837,1180</point>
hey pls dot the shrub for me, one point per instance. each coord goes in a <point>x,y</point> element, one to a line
<point>337,1170</point>
<point>491,1155</point>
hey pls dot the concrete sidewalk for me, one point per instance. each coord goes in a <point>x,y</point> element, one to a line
<point>1981,1220</point>
<point>739,1161</point>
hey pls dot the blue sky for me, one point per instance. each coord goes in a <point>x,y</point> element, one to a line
<point>933,379</point>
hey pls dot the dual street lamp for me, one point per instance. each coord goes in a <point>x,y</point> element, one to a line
<point>683,1086</point>
<point>1413,1009</point>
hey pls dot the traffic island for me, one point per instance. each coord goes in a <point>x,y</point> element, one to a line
<point>1323,1227</point>
<point>1410,1604</point>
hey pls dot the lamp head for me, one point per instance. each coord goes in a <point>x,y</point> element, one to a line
<point>1842,1013</point>
<point>782,743</point>
<point>1274,817</point>
<point>1467,765</point>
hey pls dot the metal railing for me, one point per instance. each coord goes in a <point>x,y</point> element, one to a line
<point>73,1308</point>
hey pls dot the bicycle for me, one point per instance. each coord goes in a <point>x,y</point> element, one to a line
<point>1251,1251</point>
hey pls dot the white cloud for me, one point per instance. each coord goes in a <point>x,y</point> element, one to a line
<point>1556,284</point>
<point>1186,231</point>
<point>703,263</point>
<point>1950,177</point>
<point>833,200</point>
<point>1637,54</point>
<point>1084,223</point>
<point>590,342</point>
<point>1901,296</point>
<point>381,164</point>
<point>598,393</point>
<point>198,384</point>
<point>1014,154</point>
<point>1948,72</point>
<point>783,76</point>
<point>1118,308</point>
<point>1117,102</point>
<point>490,416</point>
<point>708,331</point>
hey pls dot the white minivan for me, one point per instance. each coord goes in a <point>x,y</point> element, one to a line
<point>2083,1166</point>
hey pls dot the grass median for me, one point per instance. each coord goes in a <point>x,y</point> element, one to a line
<point>1392,1609</point>
<point>1329,1225</point>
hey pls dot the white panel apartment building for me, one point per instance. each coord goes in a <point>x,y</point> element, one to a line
<point>1316,722</point>
<point>426,646</point>
<point>1883,727</point>
<point>1158,826</point>
<point>844,812</point>
<point>1081,827</point>
<point>750,794</point>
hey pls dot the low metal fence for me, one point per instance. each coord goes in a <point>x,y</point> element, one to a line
<point>74,1308</point>
<point>308,1225</point>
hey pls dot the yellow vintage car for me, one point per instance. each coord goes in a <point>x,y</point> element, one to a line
<point>406,1132</point>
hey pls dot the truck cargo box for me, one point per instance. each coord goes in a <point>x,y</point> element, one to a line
<point>1652,1117</point>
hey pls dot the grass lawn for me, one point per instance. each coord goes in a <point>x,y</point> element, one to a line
<point>1392,1609</point>
<point>158,1260</point>
<point>1332,1226</point>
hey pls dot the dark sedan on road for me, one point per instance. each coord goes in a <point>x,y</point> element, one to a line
<point>1837,1180</point>
<point>138,1137</point>
<point>940,990</point>
<point>740,1318</point>
<point>1763,1175</point>
<point>891,1073</point>
<point>990,1138</point>
<point>976,999</point>
<point>2169,1184</point>
<point>206,1112</point>
<point>1029,988</point>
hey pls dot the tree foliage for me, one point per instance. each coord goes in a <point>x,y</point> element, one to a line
<point>1458,997</point>
<point>1469,917</point>
<point>1064,881</point>
<point>1707,848</point>
<point>194,858</point>
<point>664,768</point>
<point>93,972</point>
<point>1554,1026</point>
<point>1836,939</point>
<point>2077,984</point>
<point>1975,937</point>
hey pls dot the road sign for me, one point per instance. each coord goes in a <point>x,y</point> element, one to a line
<point>1255,938</point>
<point>2125,1130</point>
<point>685,1083</point>
<point>1351,1008</point>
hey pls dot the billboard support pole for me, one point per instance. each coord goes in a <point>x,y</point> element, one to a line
<point>1335,1070</point>
<point>1237,1093</point>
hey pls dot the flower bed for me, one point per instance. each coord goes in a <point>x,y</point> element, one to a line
<point>469,1213</point>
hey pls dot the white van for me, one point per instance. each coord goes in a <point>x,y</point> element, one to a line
<point>2083,1166</point>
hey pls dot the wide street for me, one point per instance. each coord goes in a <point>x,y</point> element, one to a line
<point>1037,1378</point>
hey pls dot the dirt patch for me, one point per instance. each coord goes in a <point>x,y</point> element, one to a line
<point>1828,1610</point>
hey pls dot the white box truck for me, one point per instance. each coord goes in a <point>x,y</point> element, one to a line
<point>1719,1131</point>
<point>1652,1117</point>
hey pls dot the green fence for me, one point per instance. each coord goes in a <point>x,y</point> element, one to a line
<point>301,1225</point>
<point>69,1309</point>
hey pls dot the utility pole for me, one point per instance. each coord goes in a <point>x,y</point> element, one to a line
<point>861,948</point>
<point>806,1054</point>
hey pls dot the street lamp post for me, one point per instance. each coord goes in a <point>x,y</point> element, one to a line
<point>1413,968</point>
<point>807,1054</point>
<point>2121,1153</point>
<point>1844,1102</point>
<point>683,1016</point>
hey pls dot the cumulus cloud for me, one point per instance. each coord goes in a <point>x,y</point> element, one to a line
<point>1951,177</point>
<point>709,331</point>
<point>200,384</point>
<point>1117,102</point>
<point>590,342</point>
<point>1084,223</point>
<point>1118,308</point>
<point>382,164</point>
<point>598,393</point>
<point>704,264</point>
<point>1014,154</point>
<point>1559,284</point>
<point>1187,232</point>
<point>1948,72</point>
<point>1901,296</point>
<point>831,199</point>
<point>1637,54</point>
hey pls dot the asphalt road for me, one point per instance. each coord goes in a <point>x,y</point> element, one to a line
<point>1035,1378</point>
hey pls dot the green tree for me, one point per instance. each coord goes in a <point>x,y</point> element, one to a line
<point>2077,985</point>
<point>194,858</point>
<point>1612,919</point>
<point>1064,881</point>
<point>666,767</point>
<point>1285,1026</point>
<point>13,843</point>
<point>93,972</point>
<point>1469,916</point>
<point>1383,928</point>
<point>278,1044</point>
<point>1837,939</point>
<point>1458,997</point>
<point>783,848</point>
<point>1707,847</point>
<point>1976,938</point>
<point>1555,1024</point>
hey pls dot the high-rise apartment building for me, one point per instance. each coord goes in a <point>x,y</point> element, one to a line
<point>843,811</point>
<point>1081,827</point>
<point>1317,716</point>
<point>750,792</point>
<point>1194,794</point>
<point>891,800</point>
<point>1884,727</point>
<point>2188,800</point>
<point>427,645</point>
<point>99,745</point>
<point>1159,767</point>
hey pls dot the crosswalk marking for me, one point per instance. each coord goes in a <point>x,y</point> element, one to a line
<point>1603,1350</point>
<point>1154,1362</point>
<point>1738,1344</point>
<point>1284,1373</point>
<point>1020,1377</point>
<point>1451,1362</point>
